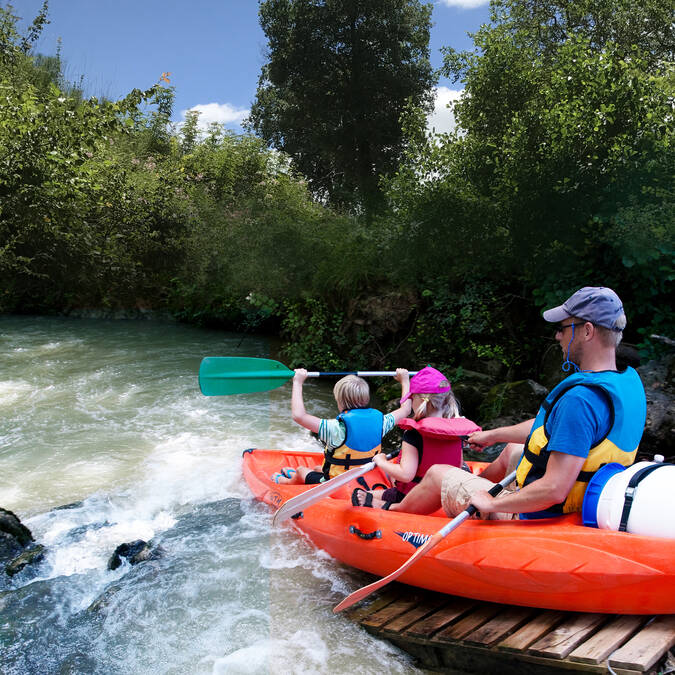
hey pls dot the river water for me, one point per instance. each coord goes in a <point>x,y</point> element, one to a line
<point>105,418</point>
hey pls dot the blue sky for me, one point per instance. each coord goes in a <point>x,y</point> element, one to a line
<point>214,49</point>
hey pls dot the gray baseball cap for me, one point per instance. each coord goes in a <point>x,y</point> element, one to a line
<point>598,304</point>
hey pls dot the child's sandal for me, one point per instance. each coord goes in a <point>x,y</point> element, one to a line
<point>368,498</point>
<point>368,501</point>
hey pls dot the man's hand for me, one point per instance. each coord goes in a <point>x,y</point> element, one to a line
<point>479,440</point>
<point>300,375</point>
<point>484,501</point>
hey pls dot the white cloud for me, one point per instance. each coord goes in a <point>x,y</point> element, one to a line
<point>464,4</point>
<point>223,113</point>
<point>442,120</point>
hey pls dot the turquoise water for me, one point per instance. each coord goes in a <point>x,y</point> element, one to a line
<point>106,418</point>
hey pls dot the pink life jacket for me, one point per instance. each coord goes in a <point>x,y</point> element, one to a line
<point>441,443</point>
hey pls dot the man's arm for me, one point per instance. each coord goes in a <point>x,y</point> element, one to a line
<point>516,433</point>
<point>577,421</point>
<point>552,488</point>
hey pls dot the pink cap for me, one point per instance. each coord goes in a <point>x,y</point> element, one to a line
<point>427,381</point>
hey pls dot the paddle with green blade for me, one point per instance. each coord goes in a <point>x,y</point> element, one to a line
<point>433,540</point>
<point>302,501</point>
<point>224,375</point>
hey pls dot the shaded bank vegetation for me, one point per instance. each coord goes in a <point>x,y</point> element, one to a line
<point>560,174</point>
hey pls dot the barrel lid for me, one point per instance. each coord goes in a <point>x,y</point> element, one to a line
<point>589,507</point>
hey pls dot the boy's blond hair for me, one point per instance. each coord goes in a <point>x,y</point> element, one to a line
<point>351,392</point>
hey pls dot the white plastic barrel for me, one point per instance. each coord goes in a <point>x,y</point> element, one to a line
<point>653,509</point>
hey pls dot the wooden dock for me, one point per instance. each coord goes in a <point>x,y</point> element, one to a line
<point>448,633</point>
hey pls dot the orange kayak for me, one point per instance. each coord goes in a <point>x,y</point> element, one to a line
<point>556,563</point>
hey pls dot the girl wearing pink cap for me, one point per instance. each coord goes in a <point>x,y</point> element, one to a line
<point>431,437</point>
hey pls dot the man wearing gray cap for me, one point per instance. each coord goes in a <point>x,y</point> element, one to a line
<point>594,416</point>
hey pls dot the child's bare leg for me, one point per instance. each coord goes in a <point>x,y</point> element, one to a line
<point>423,498</point>
<point>302,471</point>
<point>426,496</point>
<point>292,476</point>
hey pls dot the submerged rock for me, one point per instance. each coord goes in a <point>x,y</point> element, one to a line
<point>13,527</point>
<point>103,601</point>
<point>68,507</point>
<point>15,537</point>
<point>32,555</point>
<point>134,552</point>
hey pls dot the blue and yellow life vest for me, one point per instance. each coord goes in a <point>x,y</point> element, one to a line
<point>628,410</point>
<point>361,444</point>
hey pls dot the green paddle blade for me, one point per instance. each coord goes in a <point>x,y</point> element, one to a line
<point>222,375</point>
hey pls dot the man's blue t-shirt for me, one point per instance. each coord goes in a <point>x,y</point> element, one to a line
<point>578,422</point>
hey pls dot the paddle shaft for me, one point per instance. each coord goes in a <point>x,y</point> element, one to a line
<point>360,373</point>
<point>223,375</point>
<point>297,504</point>
<point>435,539</point>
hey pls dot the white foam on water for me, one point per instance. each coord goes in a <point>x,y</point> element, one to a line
<point>312,651</point>
<point>67,556</point>
<point>13,391</point>
<point>114,418</point>
<point>59,345</point>
<point>190,468</point>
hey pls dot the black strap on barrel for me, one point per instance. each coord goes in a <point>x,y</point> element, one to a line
<point>629,495</point>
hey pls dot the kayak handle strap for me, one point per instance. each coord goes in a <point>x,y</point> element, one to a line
<point>377,534</point>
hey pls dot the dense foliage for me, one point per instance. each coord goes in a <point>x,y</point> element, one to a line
<point>561,171</point>
<point>559,174</point>
<point>105,204</point>
<point>337,77</point>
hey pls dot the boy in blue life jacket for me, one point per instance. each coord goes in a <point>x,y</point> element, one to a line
<point>594,416</point>
<point>353,437</point>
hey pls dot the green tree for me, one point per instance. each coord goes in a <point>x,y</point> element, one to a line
<point>190,131</point>
<point>569,128</point>
<point>561,170</point>
<point>337,78</point>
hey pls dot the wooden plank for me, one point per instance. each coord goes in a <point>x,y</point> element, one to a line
<point>401,605</point>
<point>557,665</point>
<point>428,605</point>
<point>451,611</point>
<point>464,658</point>
<point>609,638</point>
<point>386,598</point>
<point>648,646</point>
<point>532,631</point>
<point>567,636</point>
<point>498,628</point>
<point>475,619</point>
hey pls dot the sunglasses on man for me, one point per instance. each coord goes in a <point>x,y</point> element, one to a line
<point>560,327</point>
